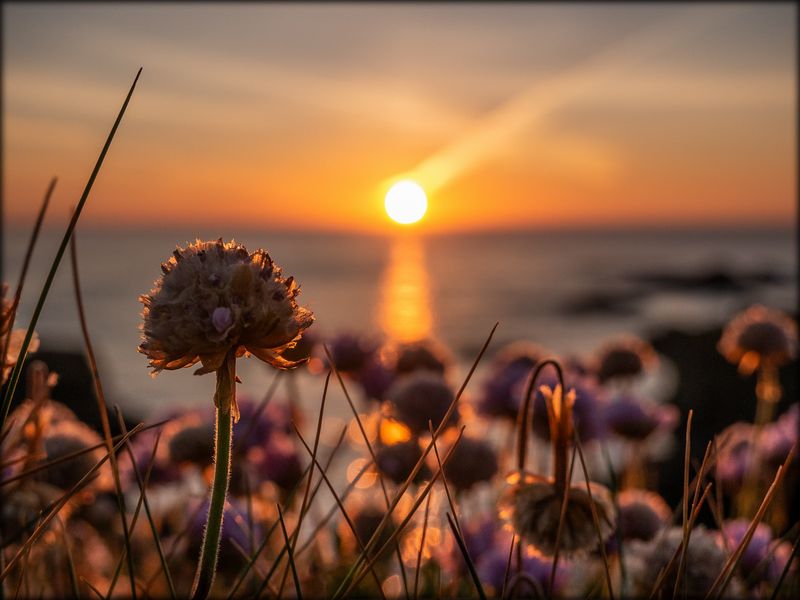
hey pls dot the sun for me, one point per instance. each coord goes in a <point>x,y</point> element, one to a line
<point>406,202</point>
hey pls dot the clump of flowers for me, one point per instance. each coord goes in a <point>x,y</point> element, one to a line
<point>764,558</point>
<point>215,302</point>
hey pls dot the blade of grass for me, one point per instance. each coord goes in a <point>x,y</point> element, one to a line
<point>470,565</point>
<point>102,408</point>
<point>25,264</point>
<point>60,504</point>
<point>560,529</point>
<point>143,495</point>
<point>786,567</point>
<point>422,544</point>
<point>304,504</point>
<point>14,379</point>
<point>73,578</point>
<point>595,518</point>
<point>687,457</point>
<point>662,576</point>
<point>91,587</point>
<point>289,552</point>
<point>508,565</point>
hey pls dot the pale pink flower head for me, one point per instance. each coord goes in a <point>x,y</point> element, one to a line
<point>757,337</point>
<point>215,297</point>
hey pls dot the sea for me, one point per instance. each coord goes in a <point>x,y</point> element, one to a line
<point>569,291</point>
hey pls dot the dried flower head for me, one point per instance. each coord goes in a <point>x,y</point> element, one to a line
<point>533,507</point>
<point>758,337</point>
<point>624,358</point>
<point>642,514</point>
<point>424,354</point>
<point>215,298</point>
<point>471,461</point>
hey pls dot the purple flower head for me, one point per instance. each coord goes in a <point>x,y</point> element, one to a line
<point>425,354</point>
<point>375,378</point>
<point>350,351</point>
<point>642,514</point>
<point>420,397</point>
<point>735,530</point>
<point>235,531</point>
<point>491,567</point>
<point>192,443</point>
<point>397,461</point>
<point>257,425</point>
<point>366,520</point>
<point>280,462</point>
<point>759,336</point>
<point>472,461</point>
<point>510,369</point>
<point>624,358</point>
<point>588,410</point>
<point>777,438</point>
<point>735,455</point>
<point>635,420</point>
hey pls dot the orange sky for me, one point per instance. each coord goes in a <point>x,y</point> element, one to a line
<point>512,116</point>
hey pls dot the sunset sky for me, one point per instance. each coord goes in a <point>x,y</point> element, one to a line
<point>299,116</point>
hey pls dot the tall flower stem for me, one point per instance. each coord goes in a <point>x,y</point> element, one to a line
<point>225,401</point>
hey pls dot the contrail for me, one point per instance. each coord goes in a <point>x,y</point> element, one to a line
<point>529,108</point>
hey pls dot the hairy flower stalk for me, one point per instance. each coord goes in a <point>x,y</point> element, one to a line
<point>214,303</point>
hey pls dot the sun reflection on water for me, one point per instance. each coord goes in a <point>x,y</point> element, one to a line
<point>404,311</point>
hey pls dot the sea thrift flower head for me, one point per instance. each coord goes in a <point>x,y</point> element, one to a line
<point>493,564</point>
<point>735,455</point>
<point>350,351</point>
<point>508,372</point>
<point>754,560</point>
<point>777,438</point>
<point>397,461</point>
<point>215,298</point>
<point>66,438</point>
<point>420,397</point>
<point>533,507</point>
<point>624,358</point>
<point>192,443</point>
<point>279,462</point>
<point>236,531</point>
<point>375,377</point>
<point>705,558</point>
<point>426,354</point>
<point>471,461</point>
<point>635,420</point>
<point>758,337</point>
<point>642,514</point>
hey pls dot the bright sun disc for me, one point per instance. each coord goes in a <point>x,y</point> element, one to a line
<point>406,202</point>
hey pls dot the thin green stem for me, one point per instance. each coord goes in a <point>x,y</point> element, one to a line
<point>223,437</point>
